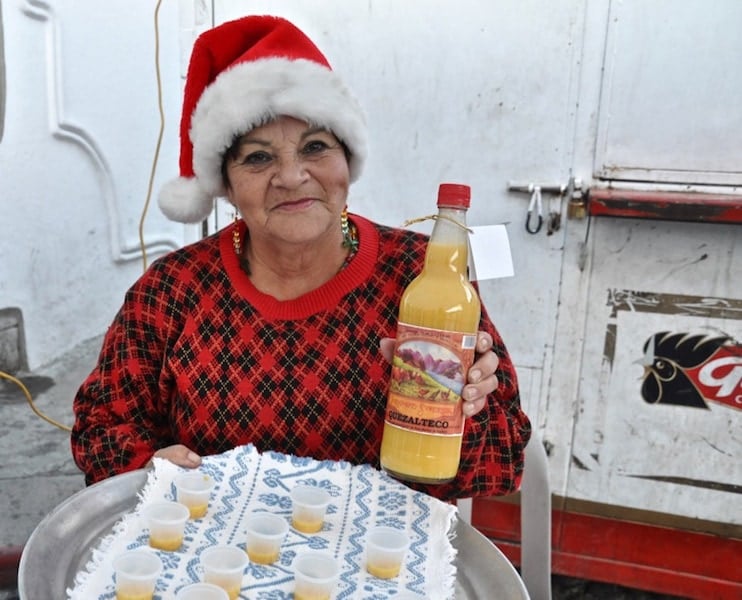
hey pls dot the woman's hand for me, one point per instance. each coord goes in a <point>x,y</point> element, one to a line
<point>179,455</point>
<point>481,376</point>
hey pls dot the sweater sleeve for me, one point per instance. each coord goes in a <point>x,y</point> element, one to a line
<point>120,409</point>
<point>494,440</point>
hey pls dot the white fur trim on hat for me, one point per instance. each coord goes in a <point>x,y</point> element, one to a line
<point>183,200</point>
<point>250,94</point>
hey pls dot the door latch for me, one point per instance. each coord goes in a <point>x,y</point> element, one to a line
<point>534,216</point>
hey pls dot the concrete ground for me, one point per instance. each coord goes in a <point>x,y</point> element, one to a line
<point>37,471</point>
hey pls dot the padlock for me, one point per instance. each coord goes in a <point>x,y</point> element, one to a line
<point>577,207</point>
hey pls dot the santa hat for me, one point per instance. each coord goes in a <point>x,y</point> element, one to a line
<point>242,74</point>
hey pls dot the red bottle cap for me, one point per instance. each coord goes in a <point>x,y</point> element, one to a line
<point>453,195</point>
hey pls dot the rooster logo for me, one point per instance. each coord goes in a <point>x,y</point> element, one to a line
<point>692,370</point>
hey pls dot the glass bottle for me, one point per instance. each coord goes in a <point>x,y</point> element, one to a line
<point>436,337</point>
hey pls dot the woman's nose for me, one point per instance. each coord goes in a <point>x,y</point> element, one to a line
<point>290,172</point>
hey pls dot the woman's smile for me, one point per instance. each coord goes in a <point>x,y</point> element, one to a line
<point>295,205</point>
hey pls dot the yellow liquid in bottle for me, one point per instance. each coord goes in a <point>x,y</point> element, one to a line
<point>442,299</point>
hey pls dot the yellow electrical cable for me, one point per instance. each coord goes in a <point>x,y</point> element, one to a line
<point>30,401</point>
<point>159,137</point>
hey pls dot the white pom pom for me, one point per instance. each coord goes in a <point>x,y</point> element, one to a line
<point>183,200</point>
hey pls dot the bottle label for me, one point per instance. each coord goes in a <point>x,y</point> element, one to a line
<point>428,373</point>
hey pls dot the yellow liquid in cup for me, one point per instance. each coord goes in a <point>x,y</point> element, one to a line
<point>198,511</point>
<point>167,544</point>
<point>306,526</point>
<point>125,595</point>
<point>262,556</point>
<point>311,596</point>
<point>386,571</point>
<point>232,591</point>
<point>411,455</point>
<point>227,584</point>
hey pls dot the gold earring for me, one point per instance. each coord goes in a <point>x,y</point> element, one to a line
<point>236,242</point>
<point>350,240</point>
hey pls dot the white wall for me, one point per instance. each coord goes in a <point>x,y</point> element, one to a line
<point>81,127</point>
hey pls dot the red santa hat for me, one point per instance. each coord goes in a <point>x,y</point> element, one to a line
<point>242,74</point>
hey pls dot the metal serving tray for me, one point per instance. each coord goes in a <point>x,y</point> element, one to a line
<point>62,544</point>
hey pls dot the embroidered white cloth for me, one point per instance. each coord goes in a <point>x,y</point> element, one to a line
<point>247,481</point>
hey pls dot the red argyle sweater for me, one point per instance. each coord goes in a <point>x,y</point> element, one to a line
<point>198,356</point>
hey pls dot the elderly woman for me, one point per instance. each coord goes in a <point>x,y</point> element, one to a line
<point>275,331</point>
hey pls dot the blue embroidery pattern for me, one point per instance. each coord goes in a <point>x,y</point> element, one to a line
<point>361,497</point>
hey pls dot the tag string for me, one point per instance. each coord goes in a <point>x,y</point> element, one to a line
<point>470,253</point>
<point>435,218</point>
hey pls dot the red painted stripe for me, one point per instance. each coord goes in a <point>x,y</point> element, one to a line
<point>9,560</point>
<point>673,206</point>
<point>643,556</point>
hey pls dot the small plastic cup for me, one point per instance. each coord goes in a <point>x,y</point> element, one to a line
<point>166,522</point>
<point>265,534</point>
<point>193,489</point>
<point>224,567</point>
<point>385,551</point>
<point>316,576</point>
<point>201,591</point>
<point>309,504</point>
<point>136,573</point>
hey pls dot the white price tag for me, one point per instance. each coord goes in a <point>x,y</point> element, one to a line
<point>490,248</point>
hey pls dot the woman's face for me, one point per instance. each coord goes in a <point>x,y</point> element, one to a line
<point>289,182</point>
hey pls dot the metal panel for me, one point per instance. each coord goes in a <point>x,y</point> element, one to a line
<point>670,107</point>
<point>653,435</point>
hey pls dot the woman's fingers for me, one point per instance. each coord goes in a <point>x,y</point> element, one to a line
<point>386,345</point>
<point>180,455</point>
<point>481,376</point>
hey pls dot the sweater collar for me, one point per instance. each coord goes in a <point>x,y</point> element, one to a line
<point>325,297</point>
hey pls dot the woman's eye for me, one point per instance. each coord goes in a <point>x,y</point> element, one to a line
<point>256,158</point>
<point>314,147</point>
